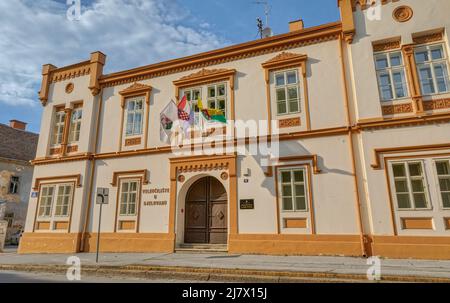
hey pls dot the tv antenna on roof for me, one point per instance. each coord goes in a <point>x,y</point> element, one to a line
<point>267,9</point>
<point>264,32</point>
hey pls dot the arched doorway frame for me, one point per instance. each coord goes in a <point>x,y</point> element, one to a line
<point>198,167</point>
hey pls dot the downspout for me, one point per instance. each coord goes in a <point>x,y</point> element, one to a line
<point>352,152</point>
<point>92,173</point>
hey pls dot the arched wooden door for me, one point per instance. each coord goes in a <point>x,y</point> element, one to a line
<point>206,219</point>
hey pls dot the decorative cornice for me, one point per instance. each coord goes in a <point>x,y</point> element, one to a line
<point>404,149</point>
<point>38,181</point>
<point>142,173</point>
<point>397,109</point>
<point>387,45</point>
<point>278,43</point>
<point>429,38</point>
<point>136,88</point>
<point>202,163</point>
<point>205,76</point>
<point>365,4</point>
<point>436,104</point>
<point>284,59</point>
<point>71,72</point>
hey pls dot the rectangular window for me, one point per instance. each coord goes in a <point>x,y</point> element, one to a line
<point>63,200</point>
<point>135,113</point>
<point>9,217</point>
<point>391,76</point>
<point>46,201</point>
<point>193,95</point>
<point>432,67</point>
<point>287,92</point>
<point>293,189</point>
<point>409,183</point>
<point>217,96</point>
<point>443,173</point>
<point>14,185</point>
<point>75,125</point>
<point>128,197</point>
<point>58,128</point>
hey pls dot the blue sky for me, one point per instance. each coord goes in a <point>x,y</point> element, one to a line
<point>132,33</point>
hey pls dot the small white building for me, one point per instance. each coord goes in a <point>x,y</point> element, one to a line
<point>362,107</point>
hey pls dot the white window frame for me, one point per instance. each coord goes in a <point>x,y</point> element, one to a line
<point>127,214</point>
<point>58,128</point>
<point>293,192</point>
<point>54,200</point>
<point>217,98</point>
<point>47,206</point>
<point>409,183</point>
<point>204,90</point>
<point>136,129</point>
<point>286,87</point>
<point>75,125</point>
<point>63,196</point>
<point>431,64</point>
<point>188,92</point>
<point>438,177</point>
<point>390,70</point>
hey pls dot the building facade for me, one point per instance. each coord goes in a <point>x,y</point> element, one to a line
<point>17,149</point>
<point>360,110</point>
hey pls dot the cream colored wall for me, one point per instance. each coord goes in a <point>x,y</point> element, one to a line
<point>332,190</point>
<point>58,97</point>
<point>153,219</point>
<point>250,94</point>
<point>428,15</point>
<point>61,169</point>
<point>376,184</point>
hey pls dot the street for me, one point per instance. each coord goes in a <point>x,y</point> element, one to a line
<point>30,277</point>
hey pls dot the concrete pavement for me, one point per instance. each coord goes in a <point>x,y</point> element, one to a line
<point>222,263</point>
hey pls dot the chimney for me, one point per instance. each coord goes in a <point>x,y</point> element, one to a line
<point>296,25</point>
<point>16,124</point>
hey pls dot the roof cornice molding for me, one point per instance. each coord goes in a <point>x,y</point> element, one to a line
<point>308,36</point>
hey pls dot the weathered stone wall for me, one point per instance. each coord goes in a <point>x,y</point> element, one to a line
<point>16,204</point>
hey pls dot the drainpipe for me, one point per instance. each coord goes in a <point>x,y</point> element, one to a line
<point>352,152</point>
<point>91,179</point>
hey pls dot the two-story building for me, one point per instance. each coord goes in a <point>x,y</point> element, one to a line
<point>359,110</point>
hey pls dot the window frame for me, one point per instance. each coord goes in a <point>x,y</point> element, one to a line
<point>194,106</point>
<point>294,195</point>
<point>74,132</point>
<point>431,64</point>
<point>50,206</point>
<point>70,200</point>
<point>204,90</point>
<point>286,87</point>
<point>137,192</point>
<point>437,180</point>
<point>58,128</point>
<point>14,184</point>
<point>426,192</point>
<point>390,71</point>
<point>135,111</point>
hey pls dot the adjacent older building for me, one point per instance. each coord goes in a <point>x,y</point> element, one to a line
<point>360,109</point>
<point>17,149</point>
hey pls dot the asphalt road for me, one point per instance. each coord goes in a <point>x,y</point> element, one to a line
<point>29,277</point>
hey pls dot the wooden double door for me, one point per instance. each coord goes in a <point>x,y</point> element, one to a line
<point>206,219</point>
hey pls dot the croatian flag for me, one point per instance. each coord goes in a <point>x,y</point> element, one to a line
<point>185,114</point>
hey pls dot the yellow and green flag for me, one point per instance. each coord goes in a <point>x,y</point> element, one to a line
<point>211,115</point>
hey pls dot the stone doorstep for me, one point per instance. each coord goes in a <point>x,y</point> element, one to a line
<point>218,274</point>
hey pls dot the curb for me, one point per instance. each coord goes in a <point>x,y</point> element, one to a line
<point>217,274</point>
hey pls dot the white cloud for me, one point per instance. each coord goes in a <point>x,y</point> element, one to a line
<point>131,32</point>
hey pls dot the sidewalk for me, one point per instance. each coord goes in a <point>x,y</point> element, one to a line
<point>344,268</point>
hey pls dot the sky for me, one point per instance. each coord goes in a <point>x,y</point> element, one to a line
<point>131,33</point>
